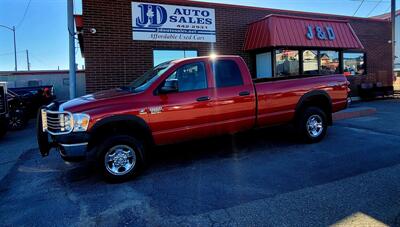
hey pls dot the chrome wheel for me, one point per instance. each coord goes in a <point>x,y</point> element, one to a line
<point>315,126</point>
<point>120,160</point>
<point>16,121</point>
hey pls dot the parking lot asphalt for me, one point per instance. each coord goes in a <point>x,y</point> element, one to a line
<point>258,178</point>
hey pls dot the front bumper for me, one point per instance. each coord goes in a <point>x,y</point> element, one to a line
<point>73,152</point>
<point>71,146</point>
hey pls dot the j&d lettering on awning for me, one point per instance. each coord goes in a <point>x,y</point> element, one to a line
<point>291,31</point>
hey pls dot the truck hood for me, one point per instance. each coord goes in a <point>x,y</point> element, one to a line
<point>95,100</point>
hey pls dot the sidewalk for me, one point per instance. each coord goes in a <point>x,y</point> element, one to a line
<point>354,111</point>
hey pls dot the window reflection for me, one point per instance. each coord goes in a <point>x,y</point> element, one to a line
<point>353,64</point>
<point>310,62</point>
<point>287,63</point>
<point>329,61</point>
<point>190,77</point>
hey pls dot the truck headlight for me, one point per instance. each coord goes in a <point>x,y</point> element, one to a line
<point>67,123</point>
<point>80,122</point>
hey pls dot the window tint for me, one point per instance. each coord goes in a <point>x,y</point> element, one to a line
<point>329,61</point>
<point>287,63</point>
<point>353,64</point>
<point>161,56</point>
<point>190,77</point>
<point>227,73</point>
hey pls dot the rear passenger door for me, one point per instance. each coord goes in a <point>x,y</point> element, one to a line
<point>234,102</point>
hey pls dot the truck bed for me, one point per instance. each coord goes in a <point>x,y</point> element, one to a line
<point>278,97</point>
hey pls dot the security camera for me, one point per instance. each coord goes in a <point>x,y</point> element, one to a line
<point>93,30</point>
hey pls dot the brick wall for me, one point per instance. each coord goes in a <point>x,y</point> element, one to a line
<point>113,58</point>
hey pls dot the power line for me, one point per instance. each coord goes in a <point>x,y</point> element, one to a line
<point>26,11</point>
<point>390,6</point>
<point>362,2</point>
<point>373,9</point>
<point>39,59</point>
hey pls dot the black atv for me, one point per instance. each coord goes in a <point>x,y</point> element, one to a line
<point>3,109</point>
<point>18,114</point>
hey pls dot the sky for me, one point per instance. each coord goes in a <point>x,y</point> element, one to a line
<point>41,26</point>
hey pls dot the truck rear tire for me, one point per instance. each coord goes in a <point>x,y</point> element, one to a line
<point>120,158</point>
<point>18,120</point>
<point>3,127</point>
<point>312,124</point>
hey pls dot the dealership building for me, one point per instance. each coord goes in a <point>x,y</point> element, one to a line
<point>122,39</point>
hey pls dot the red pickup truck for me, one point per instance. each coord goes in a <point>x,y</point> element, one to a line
<point>184,100</point>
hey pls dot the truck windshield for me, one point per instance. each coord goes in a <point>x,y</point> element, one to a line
<point>147,79</point>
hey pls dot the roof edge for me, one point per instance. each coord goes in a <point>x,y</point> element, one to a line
<point>272,9</point>
<point>298,17</point>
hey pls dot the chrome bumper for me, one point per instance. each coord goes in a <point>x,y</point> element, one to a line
<point>349,101</point>
<point>77,150</point>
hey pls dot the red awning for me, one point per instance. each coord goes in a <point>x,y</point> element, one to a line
<point>290,31</point>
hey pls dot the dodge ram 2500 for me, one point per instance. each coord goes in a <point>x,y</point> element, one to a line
<point>184,100</point>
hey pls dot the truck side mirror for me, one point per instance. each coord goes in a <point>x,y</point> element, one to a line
<point>170,86</point>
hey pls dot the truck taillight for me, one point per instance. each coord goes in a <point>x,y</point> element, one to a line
<point>348,86</point>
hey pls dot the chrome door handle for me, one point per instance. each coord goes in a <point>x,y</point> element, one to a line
<point>202,99</point>
<point>244,93</point>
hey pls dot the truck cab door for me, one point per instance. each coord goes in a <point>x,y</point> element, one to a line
<point>235,101</point>
<point>184,112</point>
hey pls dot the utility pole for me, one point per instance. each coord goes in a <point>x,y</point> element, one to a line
<point>394,41</point>
<point>15,44</point>
<point>28,64</point>
<point>71,33</point>
<point>15,50</point>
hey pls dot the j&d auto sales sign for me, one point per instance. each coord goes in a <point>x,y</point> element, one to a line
<point>160,22</point>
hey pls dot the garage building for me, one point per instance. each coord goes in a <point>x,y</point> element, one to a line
<point>122,39</point>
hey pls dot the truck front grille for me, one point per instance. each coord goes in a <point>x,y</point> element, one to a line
<point>3,103</point>
<point>54,122</point>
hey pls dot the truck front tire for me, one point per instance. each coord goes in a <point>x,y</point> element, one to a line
<point>312,124</point>
<point>120,158</point>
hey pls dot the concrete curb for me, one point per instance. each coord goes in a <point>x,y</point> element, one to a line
<point>353,113</point>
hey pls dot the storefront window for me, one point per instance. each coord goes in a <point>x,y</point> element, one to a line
<point>329,62</point>
<point>161,56</point>
<point>287,63</point>
<point>310,62</point>
<point>264,65</point>
<point>353,64</point>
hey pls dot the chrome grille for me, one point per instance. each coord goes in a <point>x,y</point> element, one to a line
<point>53,122</point>
<point>3,103</point>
